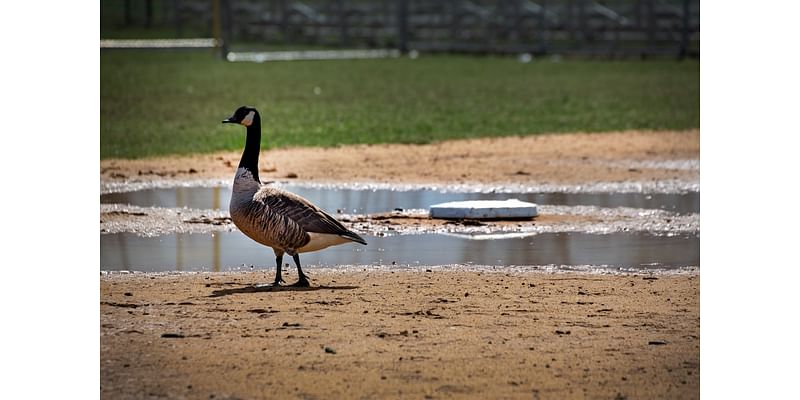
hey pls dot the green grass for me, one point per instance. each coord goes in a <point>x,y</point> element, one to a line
<point>157,103</point>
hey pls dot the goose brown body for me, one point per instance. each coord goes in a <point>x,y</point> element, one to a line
<point>283,220</point>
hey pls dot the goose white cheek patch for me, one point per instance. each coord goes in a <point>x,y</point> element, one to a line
<point>248,120</point>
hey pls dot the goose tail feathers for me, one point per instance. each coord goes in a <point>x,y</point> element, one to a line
<point>350,235</point>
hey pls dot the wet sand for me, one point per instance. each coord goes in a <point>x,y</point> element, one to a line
<point>404,334</point>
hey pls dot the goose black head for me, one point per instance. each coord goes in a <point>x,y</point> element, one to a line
<point>243,115</point>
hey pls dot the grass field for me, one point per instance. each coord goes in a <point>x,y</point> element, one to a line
<point>157,103</point>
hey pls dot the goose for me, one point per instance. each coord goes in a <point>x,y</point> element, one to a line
<point>276,218</point>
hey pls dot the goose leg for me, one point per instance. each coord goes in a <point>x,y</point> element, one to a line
<point>279,262</point>
<point>303,281</point>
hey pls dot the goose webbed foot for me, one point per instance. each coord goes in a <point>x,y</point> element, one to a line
<point>302,282</point>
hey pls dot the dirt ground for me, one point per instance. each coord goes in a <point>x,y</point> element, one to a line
<point>563,158</point>
<point>405,334</point>
<point>442,333</point>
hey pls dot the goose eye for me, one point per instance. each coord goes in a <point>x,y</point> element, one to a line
<point>248,120</point>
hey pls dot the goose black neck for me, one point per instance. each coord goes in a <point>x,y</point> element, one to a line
<point>252,148</point>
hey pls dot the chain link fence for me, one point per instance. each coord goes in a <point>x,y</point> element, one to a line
<point>601,29</point>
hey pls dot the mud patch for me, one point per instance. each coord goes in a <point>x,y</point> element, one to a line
<point>155,221</point>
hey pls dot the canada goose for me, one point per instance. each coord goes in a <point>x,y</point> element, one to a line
<point>276,218</point>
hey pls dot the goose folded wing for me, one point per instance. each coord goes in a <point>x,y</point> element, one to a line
<point>308,216</point>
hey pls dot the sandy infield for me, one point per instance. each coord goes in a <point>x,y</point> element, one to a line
<point>432,333</point>
<point>543,159</point>
<point>411,334</point>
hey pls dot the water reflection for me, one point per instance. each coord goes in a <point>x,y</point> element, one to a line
<point>372,201</point>
<point>222,251</point>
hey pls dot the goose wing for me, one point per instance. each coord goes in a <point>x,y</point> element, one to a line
<point>305,214</point>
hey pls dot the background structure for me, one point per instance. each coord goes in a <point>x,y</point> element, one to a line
<point>607,29</point>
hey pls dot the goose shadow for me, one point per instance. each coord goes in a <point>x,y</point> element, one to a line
<point>270,288</point>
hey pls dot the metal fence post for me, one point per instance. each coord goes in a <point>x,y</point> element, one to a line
<point>148,13</point>
<point>343,22</point>
<point>572,24</point>
<point>216,22</point>
<point>402,25</point>
<point>651,28</point>
<point>684,31</point>
<point>543,27</point>
<point>128,19</point>
<point>176,11</point>
<point>284,6</point>
<point>227,27</point>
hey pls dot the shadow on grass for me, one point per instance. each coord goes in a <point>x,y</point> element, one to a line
<point>270,288</point>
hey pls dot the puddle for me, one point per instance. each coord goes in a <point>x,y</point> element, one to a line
<point>373,201</point>
<point>224,251</point>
